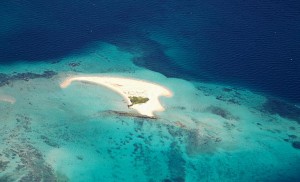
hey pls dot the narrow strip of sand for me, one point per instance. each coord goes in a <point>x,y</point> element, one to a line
<point>128,87</point>
<point>7,98</point>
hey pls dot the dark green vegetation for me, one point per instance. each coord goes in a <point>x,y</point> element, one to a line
<point>138,100</point>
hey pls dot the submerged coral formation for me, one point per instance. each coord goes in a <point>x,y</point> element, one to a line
<point>222,112</point>
<point>26,162</point>
<point>6,79</point>
<point>284,109</point>
<point>296,144</point>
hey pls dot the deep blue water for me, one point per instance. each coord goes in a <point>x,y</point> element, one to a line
<point>249,43</point>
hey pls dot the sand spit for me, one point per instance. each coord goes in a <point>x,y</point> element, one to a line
<point>128,87</point>
<point>7,98</point>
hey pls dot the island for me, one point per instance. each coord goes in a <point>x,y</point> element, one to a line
<point>143,96</point>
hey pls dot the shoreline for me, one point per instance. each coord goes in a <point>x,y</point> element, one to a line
<point>128,87</point>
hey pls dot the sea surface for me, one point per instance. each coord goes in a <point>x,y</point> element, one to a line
<point>233,66</point>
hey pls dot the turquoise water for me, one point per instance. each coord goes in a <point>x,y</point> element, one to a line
<point>208,132</point>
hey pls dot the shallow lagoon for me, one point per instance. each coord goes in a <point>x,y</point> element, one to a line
<point>208,132</point>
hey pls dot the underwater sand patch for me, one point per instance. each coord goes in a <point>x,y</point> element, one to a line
<point>7,98</point>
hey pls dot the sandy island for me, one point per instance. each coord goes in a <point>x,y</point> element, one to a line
<point>128,87</point>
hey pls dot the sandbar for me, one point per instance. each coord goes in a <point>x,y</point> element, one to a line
<point>7,98</point>
<point>128,87</point>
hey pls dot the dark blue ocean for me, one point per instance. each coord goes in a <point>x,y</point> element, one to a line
<point>254,44</point>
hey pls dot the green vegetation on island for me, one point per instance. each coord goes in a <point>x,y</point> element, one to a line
<point>138,100</point>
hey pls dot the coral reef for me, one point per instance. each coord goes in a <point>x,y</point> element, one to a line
<point>6,79</point>
<point>283,109</point>
<point>296,145</point>
<point>176,163</point>
<point>124,114</point>
<point>222,112</point>
<point>20,159</point>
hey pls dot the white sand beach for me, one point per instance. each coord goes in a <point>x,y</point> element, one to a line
<point>128,87</point>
